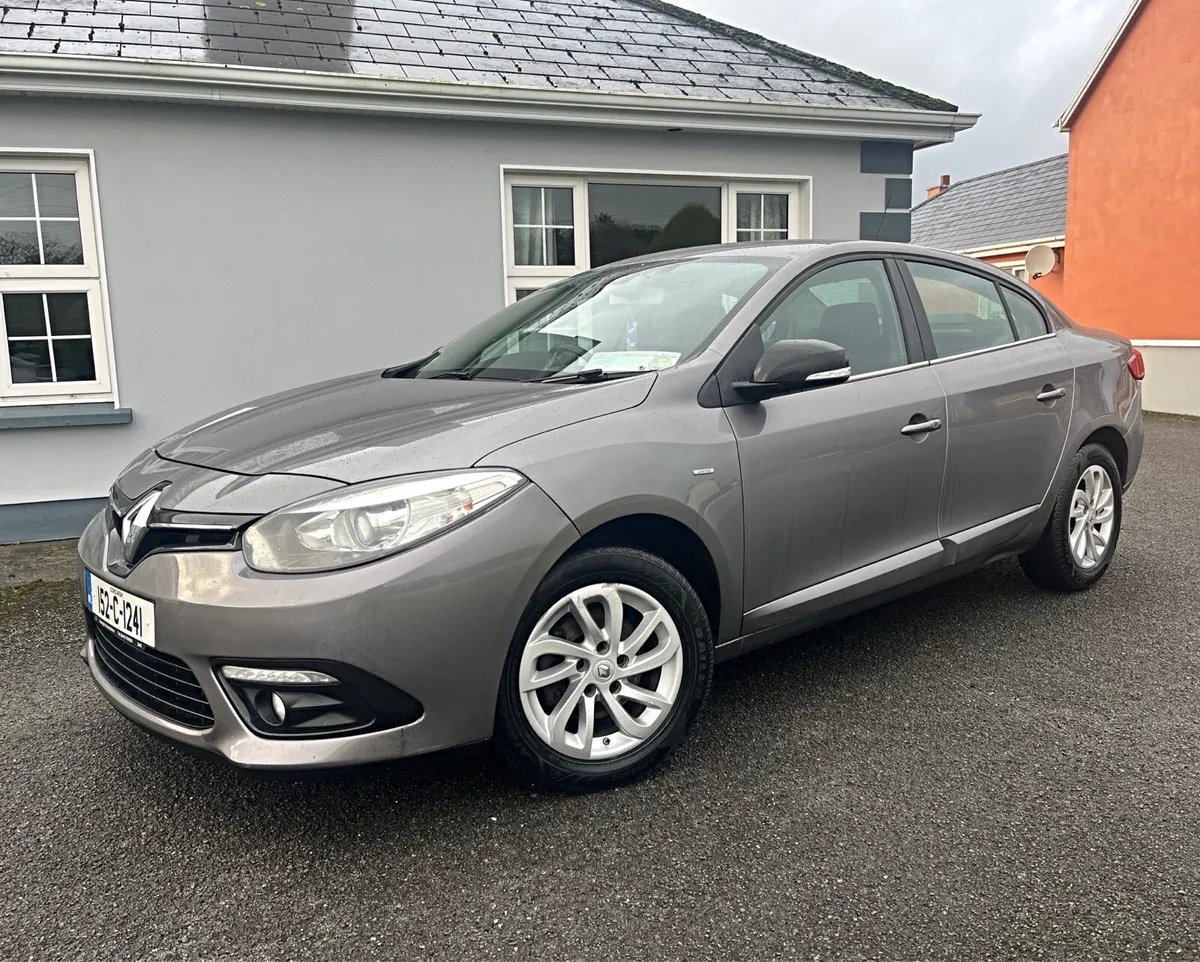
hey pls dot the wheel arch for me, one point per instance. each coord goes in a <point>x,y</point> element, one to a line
<point>1114,442</point>
<point>687,543</point>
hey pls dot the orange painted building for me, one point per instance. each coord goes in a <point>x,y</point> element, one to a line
<point>1133,197</point>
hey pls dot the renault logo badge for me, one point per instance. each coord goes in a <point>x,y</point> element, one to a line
<point>134,524</point>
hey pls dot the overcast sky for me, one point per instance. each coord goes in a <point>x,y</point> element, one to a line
<point>1017,62</point>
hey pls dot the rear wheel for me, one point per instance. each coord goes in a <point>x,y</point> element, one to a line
<point>608,670</point>
<point>1079,541</point>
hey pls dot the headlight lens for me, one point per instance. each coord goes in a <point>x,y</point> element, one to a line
<point>368,521</point>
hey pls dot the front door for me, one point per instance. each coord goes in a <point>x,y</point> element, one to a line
<point>835,478</point>
<point>1009,386</point>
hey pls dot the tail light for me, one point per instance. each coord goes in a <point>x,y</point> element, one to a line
<point>1137,366</point>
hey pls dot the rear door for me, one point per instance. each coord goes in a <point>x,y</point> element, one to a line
<point>1009,386</point>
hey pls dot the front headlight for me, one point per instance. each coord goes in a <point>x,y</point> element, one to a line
<point>368,521</point>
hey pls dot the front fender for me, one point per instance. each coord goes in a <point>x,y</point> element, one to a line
<point>675,460</point>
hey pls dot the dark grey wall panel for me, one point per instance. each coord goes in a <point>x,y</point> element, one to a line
<point>46,520</point>
<point>893,226</point>
<point>887,157</point>
<point>897,193</point>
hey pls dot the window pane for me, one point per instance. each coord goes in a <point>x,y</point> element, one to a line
<point>524,292</point>
<point>16,195</point>
<point>759,212</point>
<point>562,246</point>
<point>560,207</point>
<point>61,242</point>
<point>542,246</point>
<point>749,211</point>
<point>964,310</point>
<point>73,360</point>
<point>775,211</point>
<point>23,315</point>
<point>68,314</point>
<point>1027,319</point>
<point>852,306</point>
<point>56,195</point>
<point>30,361</point>
<point>527,205</point>
<point>632,219</point>
<point>19,242</point>
<point>529,246</point>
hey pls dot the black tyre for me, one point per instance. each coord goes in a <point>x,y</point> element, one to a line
<point>1081,537</point>
<point>582,706</point>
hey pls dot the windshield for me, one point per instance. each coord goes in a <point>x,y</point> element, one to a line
<point>641,317</point>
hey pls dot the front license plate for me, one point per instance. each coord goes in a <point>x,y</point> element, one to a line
<point>127,614</point>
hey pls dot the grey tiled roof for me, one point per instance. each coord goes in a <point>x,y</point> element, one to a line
<point>631,46</point>
<point>1008,206</point>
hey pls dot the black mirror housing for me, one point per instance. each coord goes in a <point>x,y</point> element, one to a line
<point>795,365</point>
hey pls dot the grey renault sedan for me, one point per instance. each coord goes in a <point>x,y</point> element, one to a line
<point>547,532</point>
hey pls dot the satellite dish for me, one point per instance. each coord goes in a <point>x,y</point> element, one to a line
<point>1040,260</point>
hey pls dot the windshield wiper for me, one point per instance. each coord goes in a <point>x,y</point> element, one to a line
<point>461,374</point>
<point>588,375</point>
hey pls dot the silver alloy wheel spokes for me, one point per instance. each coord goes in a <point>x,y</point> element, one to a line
<point>1093,513</point>
<point>600,671</point>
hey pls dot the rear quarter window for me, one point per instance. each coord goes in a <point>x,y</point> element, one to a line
<point>1027,316</point>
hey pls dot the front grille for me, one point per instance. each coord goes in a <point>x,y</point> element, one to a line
<point>157,681</point>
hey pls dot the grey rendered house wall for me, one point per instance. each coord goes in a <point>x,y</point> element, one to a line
<point>248,251</point>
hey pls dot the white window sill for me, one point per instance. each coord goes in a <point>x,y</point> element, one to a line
<point>63,415</point>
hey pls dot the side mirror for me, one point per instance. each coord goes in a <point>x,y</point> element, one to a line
<point>790,366</point>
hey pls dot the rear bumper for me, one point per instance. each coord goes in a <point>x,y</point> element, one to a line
<point>435,622</point>
<point>1134,441</point>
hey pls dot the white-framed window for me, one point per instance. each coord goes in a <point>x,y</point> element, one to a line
<point>53,317</point>
<point>1016,269</point>
<point>558,223</point>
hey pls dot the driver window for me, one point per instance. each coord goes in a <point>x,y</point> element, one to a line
<point>849,304</point>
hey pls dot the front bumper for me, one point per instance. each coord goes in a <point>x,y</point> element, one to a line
<point>435,621</point>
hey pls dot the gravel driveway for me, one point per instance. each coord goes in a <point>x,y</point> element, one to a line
<point>982,770</point>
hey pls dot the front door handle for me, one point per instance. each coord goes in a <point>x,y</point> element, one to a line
<point>1052,395</point>
<point>922,427</point>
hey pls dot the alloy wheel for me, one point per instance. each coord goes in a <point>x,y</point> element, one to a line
<point>1093,512</point>
<point>600,671</point>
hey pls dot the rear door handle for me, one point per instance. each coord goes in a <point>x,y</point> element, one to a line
<point>1052,395</point>
<point>922,427</point>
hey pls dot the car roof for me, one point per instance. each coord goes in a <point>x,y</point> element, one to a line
<point>807,250</point>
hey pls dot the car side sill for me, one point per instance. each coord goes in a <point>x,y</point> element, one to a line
<point>889,573</point>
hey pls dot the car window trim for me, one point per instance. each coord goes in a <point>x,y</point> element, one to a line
<point>888,370</point>
<point>918,305</point>
<point>723,376</point>
<point>1029,300</point>
<point>994,347</point>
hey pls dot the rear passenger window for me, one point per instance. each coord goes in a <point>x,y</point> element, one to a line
<point>1027,319</point>
<point>964,310</point>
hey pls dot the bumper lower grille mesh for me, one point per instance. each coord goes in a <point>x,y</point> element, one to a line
<point>157,681</point>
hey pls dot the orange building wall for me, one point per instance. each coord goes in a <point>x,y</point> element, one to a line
<point>1133,194</point>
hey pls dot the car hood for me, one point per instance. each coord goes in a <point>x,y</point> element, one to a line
<point>366,426</point>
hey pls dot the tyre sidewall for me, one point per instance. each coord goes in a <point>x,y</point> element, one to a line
<point>1061,522</point>
<point>654,576</point>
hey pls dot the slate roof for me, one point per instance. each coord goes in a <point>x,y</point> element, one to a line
<point>1010,206</point>
<point>626,46</point>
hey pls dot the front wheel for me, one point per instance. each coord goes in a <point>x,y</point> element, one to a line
<point>1079,541</point>
<point>609,668</point>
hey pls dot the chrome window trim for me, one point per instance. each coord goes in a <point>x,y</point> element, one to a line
<point>887,370</point>
<point>997,347</point>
